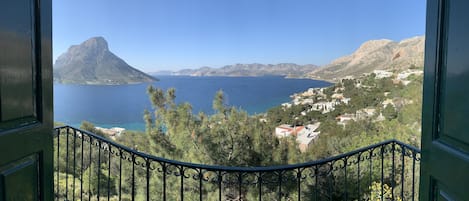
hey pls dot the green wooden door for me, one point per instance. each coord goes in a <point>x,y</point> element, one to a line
<point>26,100</point>
<point>445,127</point>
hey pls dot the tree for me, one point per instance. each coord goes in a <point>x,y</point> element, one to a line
<point>219,103</point>
<point>389,112</point>
<point>88,126</point>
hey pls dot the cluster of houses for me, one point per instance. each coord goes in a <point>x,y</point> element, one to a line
<point>361,114</point>
<point>399,77</point>
<point>321,104</point>
<point>319,101</point>
<point>304,134</point>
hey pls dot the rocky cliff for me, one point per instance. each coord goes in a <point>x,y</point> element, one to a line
<point>91,62</point>
<point>375,55</point>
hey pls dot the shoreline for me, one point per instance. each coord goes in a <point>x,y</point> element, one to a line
<point>253,108</point>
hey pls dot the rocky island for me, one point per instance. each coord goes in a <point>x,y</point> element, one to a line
<point>93,63</point>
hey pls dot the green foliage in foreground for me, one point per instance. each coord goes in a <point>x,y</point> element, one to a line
<point>231,137</point>
<point>228,137</point>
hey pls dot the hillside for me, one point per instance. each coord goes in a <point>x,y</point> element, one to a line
<point>375,55</point>
<point>92,62</point>
<point>252,70</point>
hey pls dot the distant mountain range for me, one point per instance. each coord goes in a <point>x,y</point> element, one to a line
<point>255,69</point>
<point>371,55</point>
<point>375,55</point>
<point>91,62</point>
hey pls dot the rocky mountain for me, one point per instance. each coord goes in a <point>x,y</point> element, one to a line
<point>91,62</point>
<point>255,69</point>
<point>375,55</point>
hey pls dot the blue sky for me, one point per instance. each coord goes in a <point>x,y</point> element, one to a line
<point>154,35</point>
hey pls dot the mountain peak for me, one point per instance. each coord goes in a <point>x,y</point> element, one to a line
<point>373,45</point>
<point>92,62</point>
<point>375,54</point>
<point>96,42</point>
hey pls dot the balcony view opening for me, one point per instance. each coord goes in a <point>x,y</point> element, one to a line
<point>238,100</point>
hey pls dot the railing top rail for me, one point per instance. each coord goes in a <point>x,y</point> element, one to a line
<point>241,169</point>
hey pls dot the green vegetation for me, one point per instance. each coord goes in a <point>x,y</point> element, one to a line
<point>231,137</point>
<point>228,137</point>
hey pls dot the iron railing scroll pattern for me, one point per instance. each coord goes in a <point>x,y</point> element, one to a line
<point>91,167</point>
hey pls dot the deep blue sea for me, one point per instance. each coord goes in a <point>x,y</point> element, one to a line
<point>123,105</point>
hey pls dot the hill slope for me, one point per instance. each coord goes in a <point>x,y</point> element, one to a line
<point>91,62</point>
<point>255,69</point>
<point>375,55</point>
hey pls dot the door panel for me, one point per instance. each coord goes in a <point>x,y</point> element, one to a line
<point>455,72</point>
<point>20,179</point>
<point>443,193</point>
<point>26,100</point>
<point>445,137</point>
<point>18,70</point>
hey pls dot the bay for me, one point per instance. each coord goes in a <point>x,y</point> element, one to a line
<point>123,105</point>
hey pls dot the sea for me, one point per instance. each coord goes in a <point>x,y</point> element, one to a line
<point>123,105</point>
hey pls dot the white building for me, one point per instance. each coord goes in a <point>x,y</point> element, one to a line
<point>404,74</point>
<point>324,107</point>
<point>307,135</point>
<point>365,113</point>
<point>286,130</point>
<point>382,74</point>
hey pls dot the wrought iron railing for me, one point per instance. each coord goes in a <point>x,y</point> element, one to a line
<point>90,167</point>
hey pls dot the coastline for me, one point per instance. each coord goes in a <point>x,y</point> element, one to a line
<point>283,76</point>
<point>123,105</point>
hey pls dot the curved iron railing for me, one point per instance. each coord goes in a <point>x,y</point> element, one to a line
<point>90,167</point>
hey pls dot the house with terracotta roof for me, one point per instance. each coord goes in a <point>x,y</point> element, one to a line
<point>286,130</point>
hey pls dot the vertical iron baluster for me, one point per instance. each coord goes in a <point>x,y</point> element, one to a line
<point>58,164</point>
<point>403,171</point>
<point>298,175</point>
<point>345,180</point>
<point>200,184</point>
<point>330,178</point>
<point>120,174</point>
<point>393,169</point>
<point>316,188</point>
<point>66,168</point>
<point>371,168</point>
<point>133,177</point>
<point>259,179</point>
<point>91,168</point>
<point>220,177</point>
<point>414,157</point>
<point>181,170</point>
<point>82,163</point>
<point>148,178</point>
<point>164,165</point>
<point>240,182</point>
<point>358,175</point>
<point>74,162</point>
<point>109,172</point>
<point>280,185</point>
<point>99,167</point>
<point>382,172</point>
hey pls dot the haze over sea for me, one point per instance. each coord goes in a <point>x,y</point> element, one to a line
<point>123,105</point>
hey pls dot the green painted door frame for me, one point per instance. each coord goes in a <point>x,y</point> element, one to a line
<point>445,135</point>
<point>26,121</point>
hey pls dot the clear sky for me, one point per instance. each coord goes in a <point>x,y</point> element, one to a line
<point>154,35</point>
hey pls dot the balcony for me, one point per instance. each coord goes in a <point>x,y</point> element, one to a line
<point>90,167</point>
